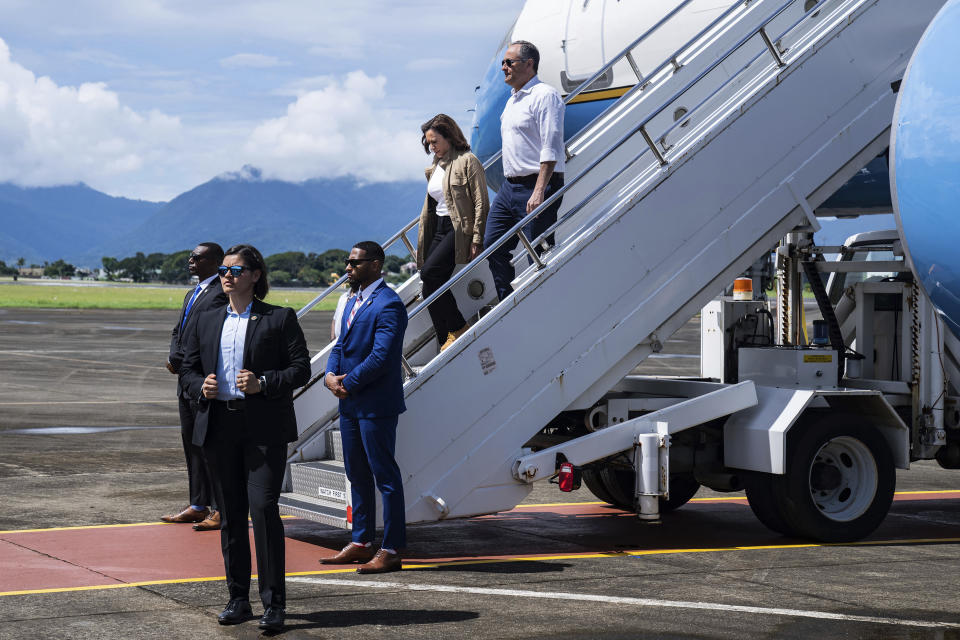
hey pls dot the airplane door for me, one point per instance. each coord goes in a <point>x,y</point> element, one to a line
<point>583,47</point>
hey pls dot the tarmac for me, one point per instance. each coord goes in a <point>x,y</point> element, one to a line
<point>90,457</point>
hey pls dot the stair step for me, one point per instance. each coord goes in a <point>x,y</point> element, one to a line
<point>333,443</point>
<point>323,479</point>
<point>315,509</point>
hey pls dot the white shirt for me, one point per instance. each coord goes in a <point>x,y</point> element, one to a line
<point>435,190</point>
<point>338,314</point>
<point>203,284</point>
<point>363,296</point>
<point>230,358</point>
<point>531,127</point>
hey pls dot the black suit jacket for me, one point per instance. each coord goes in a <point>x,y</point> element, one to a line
<point>274,348</point>
<point>210,298</point>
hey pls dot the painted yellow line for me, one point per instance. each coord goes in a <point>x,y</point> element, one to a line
<point>108,526</point>
<point>737,497</point>
<point>150,583</point>
<point>537,558</point>
<point>520,506</point>
<point>593,96</point>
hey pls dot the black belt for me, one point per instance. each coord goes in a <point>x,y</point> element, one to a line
<point>531,180</point>
<point>234,404</point>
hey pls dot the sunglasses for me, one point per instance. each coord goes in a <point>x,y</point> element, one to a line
<point>509,62</point>
<point>355,262</point>
<point>196,257</point>
<point>236,271</point>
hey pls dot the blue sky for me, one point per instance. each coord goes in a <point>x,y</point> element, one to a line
<point>148,98</point>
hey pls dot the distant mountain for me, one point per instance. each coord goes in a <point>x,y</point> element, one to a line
<point>82,225</point>
<point>47,223</point>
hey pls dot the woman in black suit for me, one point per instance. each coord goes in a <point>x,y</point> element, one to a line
<point>243,362</point>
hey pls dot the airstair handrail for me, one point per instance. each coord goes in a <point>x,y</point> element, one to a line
<point>626,52</point>
<point>336,285</point>
<point>768,42</point>
<point>517,229</point>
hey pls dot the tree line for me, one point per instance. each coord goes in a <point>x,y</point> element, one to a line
<point>289,268</point>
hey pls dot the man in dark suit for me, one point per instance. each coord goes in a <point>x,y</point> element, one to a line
<point>243,362</point>
<point>364,371</point>
<point>208,294</point>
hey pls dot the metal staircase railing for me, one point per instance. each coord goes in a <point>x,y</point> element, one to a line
<point>625,54</point>
<point>651,146</point>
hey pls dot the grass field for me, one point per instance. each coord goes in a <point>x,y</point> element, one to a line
<point>128,297</point>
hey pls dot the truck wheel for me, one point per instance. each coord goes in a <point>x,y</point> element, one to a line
<point>595,483</point>
<point>839,483</point>
<point>763,503</point>
<point>619,484</point>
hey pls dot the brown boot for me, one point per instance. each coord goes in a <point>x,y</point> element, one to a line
<point>383,562</point>
<point>187,515</point>
<point>210,523</point>
<point>350,554</point>
<point>452,337</point>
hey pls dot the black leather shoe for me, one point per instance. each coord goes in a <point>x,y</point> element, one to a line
<point>235,612</point>
<point>272,619</point>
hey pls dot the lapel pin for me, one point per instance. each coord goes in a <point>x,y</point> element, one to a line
<point>253,317</point>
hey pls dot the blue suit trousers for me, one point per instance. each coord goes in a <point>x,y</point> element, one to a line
<point>369,445</point>
<point>507,209</point>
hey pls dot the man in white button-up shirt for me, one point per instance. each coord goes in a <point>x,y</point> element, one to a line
<point>531,128</point>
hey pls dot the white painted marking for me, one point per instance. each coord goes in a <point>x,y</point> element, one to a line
<point>642,602</point>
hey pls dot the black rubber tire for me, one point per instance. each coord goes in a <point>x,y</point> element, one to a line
<point>763,503</point>
<point>596,486</point>
<point>619,484</point>
<point>792,491</point>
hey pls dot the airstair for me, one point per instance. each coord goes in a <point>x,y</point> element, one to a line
<point>698,170</point>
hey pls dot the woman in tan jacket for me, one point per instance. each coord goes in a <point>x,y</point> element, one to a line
<point>452,220</point>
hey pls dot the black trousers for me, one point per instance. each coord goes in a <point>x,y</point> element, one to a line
<point>249,479</point>
<point>202,493</point>
<point>437,268</point>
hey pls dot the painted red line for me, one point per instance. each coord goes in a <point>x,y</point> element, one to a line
<point>66,558</point>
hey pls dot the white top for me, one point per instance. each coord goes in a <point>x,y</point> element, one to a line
<point>435,190</point>
<point>338,314</point>
<point>531,127</point>
<point>230,358</point>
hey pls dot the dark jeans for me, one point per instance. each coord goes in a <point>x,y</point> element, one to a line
<point>200,479</point>
<point>437,269</point>
<point>368,458</point>
<point>508,208</point>
<point>249,479</point>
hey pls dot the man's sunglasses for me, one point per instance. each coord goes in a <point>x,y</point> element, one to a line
<point>355,262</point>
<point>509,62</point>
<point>236,271</point>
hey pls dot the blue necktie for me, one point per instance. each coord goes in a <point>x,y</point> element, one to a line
<point>196,292</point>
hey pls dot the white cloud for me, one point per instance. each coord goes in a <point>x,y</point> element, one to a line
<point>345,128</point>
<point>54,134</point>
<point>252,61</point>
<point>430,64</point>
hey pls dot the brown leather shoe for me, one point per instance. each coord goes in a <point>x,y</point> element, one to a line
<point>187,515</point>
<point>350,554</point>
<point>210,523</point>
<point>383,562</point>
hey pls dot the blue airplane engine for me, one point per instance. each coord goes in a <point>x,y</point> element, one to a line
<point>925,156</point>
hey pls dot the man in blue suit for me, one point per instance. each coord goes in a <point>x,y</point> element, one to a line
<point>364,371</point>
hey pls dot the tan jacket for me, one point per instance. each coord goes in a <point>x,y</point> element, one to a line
<point>465,190</point>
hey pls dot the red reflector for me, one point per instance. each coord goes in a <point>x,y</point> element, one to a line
<point>565,478</point>
<point>349,514</point>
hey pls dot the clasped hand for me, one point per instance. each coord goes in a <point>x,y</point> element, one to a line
<point>335,384</point>
<point>247,382</point>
